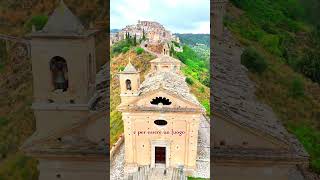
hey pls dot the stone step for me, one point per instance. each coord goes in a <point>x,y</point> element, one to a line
<point>147,173</point>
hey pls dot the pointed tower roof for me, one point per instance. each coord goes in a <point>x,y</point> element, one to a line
<point>129,69</point>
<point>63,20</point>
<point>61,23</point>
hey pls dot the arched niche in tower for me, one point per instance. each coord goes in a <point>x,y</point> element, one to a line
<point>59,73</point>
<point>128,85</point>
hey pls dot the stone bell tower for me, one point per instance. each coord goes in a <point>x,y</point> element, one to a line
<point>219,9</point>
<point>64,69</point>
<point>129,83</point>
<point>69,141</point>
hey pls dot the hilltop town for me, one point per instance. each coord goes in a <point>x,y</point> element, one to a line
<point>153,35</point>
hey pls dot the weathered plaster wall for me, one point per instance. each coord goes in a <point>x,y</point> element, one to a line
<point>76,53</point>
<point>183,148</point>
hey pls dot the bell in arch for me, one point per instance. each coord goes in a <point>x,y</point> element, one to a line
<point>59,71</point>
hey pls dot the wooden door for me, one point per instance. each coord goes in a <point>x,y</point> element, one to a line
<point>160,155</point>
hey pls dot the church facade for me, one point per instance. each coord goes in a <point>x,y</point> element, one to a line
<point>160,116</point>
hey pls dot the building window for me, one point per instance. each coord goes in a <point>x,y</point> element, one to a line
<point>128,84</point>
<point>59,72</point>
<point>159,100</point>
<point>160,122</point>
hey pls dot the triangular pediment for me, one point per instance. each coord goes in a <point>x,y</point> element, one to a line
<point>176,102</point>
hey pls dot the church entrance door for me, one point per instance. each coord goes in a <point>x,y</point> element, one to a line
<point>160,155</point>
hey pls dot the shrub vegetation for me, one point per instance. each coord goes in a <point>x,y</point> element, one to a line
<point>139,50</point>
<point>39,21</point>
<point>189,81</point>
<point>254,61</point>
<point>296,88</point>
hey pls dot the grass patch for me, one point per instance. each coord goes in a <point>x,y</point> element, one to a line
<point>18,167</point>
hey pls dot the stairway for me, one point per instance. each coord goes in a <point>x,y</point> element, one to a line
<point>158,173</point>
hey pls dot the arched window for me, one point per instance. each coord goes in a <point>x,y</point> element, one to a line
<point>159,100</point>
<point>59,72</point>
<point>128,84</point>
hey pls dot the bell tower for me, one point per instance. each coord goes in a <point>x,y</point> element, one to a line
<point>64,70</point>
<point>129,83</point>
<point>63,60</point>
<point>70,137</point>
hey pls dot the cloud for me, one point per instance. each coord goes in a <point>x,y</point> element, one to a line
<point>192,16</point>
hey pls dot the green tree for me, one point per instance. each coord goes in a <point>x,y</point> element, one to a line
<point>189,81</point>
<point>135,40</point>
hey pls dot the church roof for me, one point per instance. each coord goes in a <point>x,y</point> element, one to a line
<point>102,90</point>
<point>67,141</point>
<point>169,81</point>
<point>165,59</point>
<point>62,22</point>
<point>235,100</point>
<point>69,145</point>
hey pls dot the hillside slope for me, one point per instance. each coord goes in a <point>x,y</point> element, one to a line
<point>278,32</point>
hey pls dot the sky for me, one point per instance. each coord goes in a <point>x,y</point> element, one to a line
<point>177,16</point>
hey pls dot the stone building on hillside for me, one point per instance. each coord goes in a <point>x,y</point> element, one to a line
<point>160,117</point>
<point>69,108</point>
<point>153,31</point>
<point>248,142</point>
